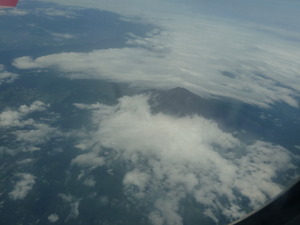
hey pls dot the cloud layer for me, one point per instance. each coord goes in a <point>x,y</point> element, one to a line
<point>207,55</point>
<point>171,158</point>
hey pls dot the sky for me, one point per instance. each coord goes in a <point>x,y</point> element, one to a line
<point>248,51</point>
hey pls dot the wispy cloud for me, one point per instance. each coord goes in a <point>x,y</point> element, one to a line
<point>40,133</point>
<point>196,53</point>
<point>171,158</point>
<point>23,186</point>
<point>55,12</point>
<point>62,36</point>
<point>53,218</point>
<point>5,76</point>
<point>74,205</point>
<point>13,12</point>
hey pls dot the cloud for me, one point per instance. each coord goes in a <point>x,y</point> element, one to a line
<point>53,218</point>
<point>195,53</point>
<point>25,161</point>
<point>170,158</point>
<point>88,160</point>
<point>74,205</point>
<point>6,77</point>
<point>7,151</point>
<point>62,35</point>
<point>40,133</point>
<point>55,12</point>
<point>27,130</point>
<point>90,182</point>
<point>13,12</point>
<point>23,186</point>
<point>16,118</point>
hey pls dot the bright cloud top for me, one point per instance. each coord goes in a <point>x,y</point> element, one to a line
<point>23,186</point>
<point>170,158</point>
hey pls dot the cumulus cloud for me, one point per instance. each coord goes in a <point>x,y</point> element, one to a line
<point>209,56</point>
<point>171,158</point>
<point>53,218</point>
<point>16,118</point>
<point>23,186</point>
<point>6,77</point>
<point>88,160</point>
<point>27,130</point>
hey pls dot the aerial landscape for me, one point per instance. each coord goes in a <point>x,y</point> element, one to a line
<point>147,112</point>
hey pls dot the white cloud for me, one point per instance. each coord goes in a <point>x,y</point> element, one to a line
<point>13,12</point>
<point>263,69</point>
<point>194,51</point>
<point>55,12</point>
<point>23,186</point>
<point>136,179</point>
<point>34,107</point>
<point>53,218</point>
<point>39,134</point>
<point>88,160</point>
<point>32,149</point>
<point>6,77</point>
<point>85,106</point>
<point>27,130</point>
<point>62,35</point>
<point>175,157</point>
<point>89,182</point>
<point>16,118</point>
<point>74,205</point>
<point>25,161</point>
